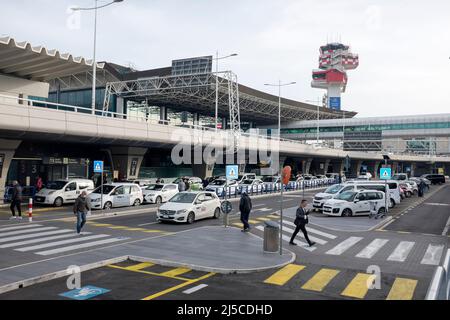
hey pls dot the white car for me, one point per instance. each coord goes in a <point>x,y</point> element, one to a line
<point>218,186</point>
<point>351,203</point>
<point>251,186</point>
<point>60,192</point>
<point>321,197</point>
<point>414,186</point>
<point>246,176</point>
<point>159,193</point>
<point>116,195</point>
<point>189,207</point>
<point>409,191</point>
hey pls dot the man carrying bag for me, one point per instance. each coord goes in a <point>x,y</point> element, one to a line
<point>301,219</point>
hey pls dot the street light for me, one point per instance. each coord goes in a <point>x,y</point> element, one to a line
<point>94,63</point>
<point>217,83</point>
<point>318,117</point>
<point>279,85</point>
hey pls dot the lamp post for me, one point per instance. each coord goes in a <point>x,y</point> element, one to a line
<point>94,62</point>
<point>217,58</point>
<point>279,85</point>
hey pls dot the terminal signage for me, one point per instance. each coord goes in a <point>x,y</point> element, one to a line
<point>335,103</point>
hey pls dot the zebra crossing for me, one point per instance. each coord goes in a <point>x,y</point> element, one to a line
<point>49,240</point>
<point>360,247</point>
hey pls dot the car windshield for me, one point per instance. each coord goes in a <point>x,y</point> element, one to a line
<point>155,187</point>
<point>56,185</point>
<point>347,196</point>
<point>334,189</point>
<point>106,189</point>
<point>218,183</point>
<point>183,198</point>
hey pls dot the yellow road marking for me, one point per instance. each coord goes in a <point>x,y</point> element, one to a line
<point>153,231</point>
<point>137,229</point>
<point>175,272</point>
<point>101,224</point>
<point>402,289</point>
<point>253,221</point>
<point>273,216</point>
<point>320,279</point>
<point>240,225</point>
<point>187,283</point>
<point>284,274</point>
<point>118,227</point>
<point>263,219</point>
<point>358,287</point>
<point>140,266</point>
<point>149,273</point>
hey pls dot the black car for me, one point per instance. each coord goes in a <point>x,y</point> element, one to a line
<point>435,178</point>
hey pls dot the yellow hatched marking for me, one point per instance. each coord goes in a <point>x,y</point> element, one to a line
<point>320,279</point>
<point>284,274</point>
<point>402,289</point>
<point>263,219</point>
<point>175,272</point>
<point>118,227</point>
<point>140,266</point>
<point>101,224</point>
<point>184,284</point>
<point>137,229</point>
<point>153,231</point>
<point>273,216</point>
<point>253,221</point>
<point>358,287</point>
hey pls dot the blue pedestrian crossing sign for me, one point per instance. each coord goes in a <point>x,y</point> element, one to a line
<point>84,293</point>
<point>385,173</point>
<point>232,172</point>
<point>98,166</point>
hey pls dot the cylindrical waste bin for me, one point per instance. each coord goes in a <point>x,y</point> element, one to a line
<point>271,236</point>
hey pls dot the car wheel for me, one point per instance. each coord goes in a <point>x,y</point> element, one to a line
<point>392,203</point>
<point>381,210</point>
<point>158,200</point>
<point>347,213</point>
<point>190,218</point>
<point>216,213</point>
<point>408,194</point>
<point>137,202</point>
<point>108,205</point>
<point>58,202</point>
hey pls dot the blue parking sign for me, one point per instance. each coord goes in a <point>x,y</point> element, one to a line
<point>98,166</point>
<point>385,173</point>
<point>84,293</point>
<point>232,172</point>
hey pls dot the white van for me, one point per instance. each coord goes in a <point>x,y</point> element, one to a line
<point>352,203</point>
<point>60,192</point>
<point>394,189</point>
<point>117,195</point>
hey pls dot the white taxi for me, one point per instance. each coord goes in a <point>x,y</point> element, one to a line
<point>189,207</point>
<point>352,203</point>
<point>116,195</point>
<point>159,193</point>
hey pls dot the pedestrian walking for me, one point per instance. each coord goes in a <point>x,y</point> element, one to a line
<point>81,208</point>
<point>16,200</point>
<point>301,220</point>
<point>39,183</point>
<point>245,207</point>
<point>421,188</point>
<point>181,185</point>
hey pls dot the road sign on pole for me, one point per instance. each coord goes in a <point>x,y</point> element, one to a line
<point>232,172</point>
<point>98,168</point>
<point>385,173</point>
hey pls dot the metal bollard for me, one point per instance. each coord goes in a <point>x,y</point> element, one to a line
<point>30,210</point>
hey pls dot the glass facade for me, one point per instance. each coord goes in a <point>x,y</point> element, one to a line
<point>82,98</point>
<point>375,127</point>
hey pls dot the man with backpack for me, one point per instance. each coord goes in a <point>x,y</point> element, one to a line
<point>245,206</point>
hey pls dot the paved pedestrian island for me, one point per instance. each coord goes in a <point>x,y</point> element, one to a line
<point>211,249</point>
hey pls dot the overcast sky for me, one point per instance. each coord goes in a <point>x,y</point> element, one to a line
<point>403,45</point>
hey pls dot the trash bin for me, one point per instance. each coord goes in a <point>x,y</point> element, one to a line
<point>271,236</point>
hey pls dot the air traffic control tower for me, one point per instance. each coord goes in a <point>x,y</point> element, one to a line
<point>334,61</point>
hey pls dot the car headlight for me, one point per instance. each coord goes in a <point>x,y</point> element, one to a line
<point>51,192</point>
<point>96,200</point>
<point>327,197</point>
<point>181,211</point>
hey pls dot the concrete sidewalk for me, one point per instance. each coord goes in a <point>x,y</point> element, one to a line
<point>211,249</point>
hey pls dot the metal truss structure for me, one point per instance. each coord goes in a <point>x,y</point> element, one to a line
<point>80,80</point>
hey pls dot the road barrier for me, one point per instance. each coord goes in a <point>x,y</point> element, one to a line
<point>440,284</point>
<point>30,210</point>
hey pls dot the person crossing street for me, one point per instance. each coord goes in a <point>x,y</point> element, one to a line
<point>81,208</point>
<point>301,220</point>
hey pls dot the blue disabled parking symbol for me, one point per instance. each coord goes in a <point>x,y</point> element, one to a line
<point>84,293</point>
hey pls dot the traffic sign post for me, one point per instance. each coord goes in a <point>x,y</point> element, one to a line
<point>98,168</point>
<point>232,173</point>
<point>386,174</point>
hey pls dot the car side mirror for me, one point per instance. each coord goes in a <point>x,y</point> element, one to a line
<point>198,202</point>
<point>356,200</point>
<point>67,189</point>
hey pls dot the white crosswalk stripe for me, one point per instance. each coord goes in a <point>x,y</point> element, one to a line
<point>78,246</point>
<point>372,248</point>
<point>344,246</point>
<point>401,252</point>
<point>33,241</point>
<point>58,243</point>
<point>21,227</point>
<point>312,238</point>
<point>433,254</point>
<point>11,233</point>
<point>34,235</point>
<point>312,230</point>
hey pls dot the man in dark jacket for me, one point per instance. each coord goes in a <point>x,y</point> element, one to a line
<point>81,207</point>
<point>16,200</point>
<point>301,219</point>
<point>245,206</point>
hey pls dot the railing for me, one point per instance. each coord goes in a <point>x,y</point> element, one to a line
<point>440,284</point>
<point>142,118</point>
